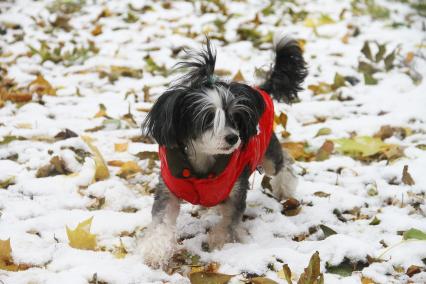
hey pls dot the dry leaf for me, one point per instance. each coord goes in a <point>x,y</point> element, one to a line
<point>121,147</point>
<point>366,280</point>
<point>97,30</point>
<point>102,112</point>
<point>6,261</point>
<point>238,77</point>
<point>281,119</point>
<point>209,278</point>
<point>115,163</point>
<point>80,237</point>
<point>297,151</point>
<point>325,151</point>
<point>41,86</point>
<point>101,168</point>
<point>409,57</point>
<point>129,169</point>
<point>406,177</point>
<point>120,251</point>
<point>291,207</point>
<point>413,269</point>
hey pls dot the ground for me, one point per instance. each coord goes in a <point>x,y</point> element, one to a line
<point>77,78</point>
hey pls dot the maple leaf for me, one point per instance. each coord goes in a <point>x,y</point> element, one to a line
<point>80,237</point>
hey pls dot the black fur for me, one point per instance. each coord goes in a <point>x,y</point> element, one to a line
<point>288,72</point>
<point>180,115</point>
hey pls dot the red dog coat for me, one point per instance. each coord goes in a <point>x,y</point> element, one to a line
<point>210,191</point>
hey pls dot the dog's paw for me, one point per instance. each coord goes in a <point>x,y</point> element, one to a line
<point>158,245</point>
<point>284,184</point>
<point>219,235</point>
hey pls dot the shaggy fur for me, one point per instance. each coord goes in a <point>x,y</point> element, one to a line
<point>205,117</point>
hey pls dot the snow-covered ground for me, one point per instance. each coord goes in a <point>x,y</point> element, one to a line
<point>125,50</point>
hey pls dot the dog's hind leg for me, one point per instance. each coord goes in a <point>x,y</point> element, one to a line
<point>232,210</point>
<point>159,241</point>
<point>278,165</point>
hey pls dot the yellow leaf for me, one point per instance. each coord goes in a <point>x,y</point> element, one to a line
<point>97,30</point>
<point>366,280</point>
<point>120,251</point>
<point>209,277</point>
<point>129,169</point>
<point>239,77</point>
<point>80,237</point>
<point>297,151</point>
<point>281,119</point>
<point>121,147</point>
<point>42,87</point>
<point>102,111</point>
<point>409,57</point>
<point>101,168</point>
<point>6,261</point>
<point>115,163</point>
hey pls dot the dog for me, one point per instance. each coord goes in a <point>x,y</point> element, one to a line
<point>212,134</point>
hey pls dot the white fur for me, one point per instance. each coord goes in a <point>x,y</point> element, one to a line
<point>158,244</point>
<point>284,184</point>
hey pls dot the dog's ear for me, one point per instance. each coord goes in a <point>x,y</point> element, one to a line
<point>246,110</point>
<point>161,122</point>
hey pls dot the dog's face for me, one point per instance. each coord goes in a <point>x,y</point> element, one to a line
<point>214,119</point>
<point>201,111</point>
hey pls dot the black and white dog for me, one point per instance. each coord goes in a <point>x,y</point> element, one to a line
<point>201,123</point>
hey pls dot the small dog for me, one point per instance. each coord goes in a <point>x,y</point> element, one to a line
<point>212,135</point>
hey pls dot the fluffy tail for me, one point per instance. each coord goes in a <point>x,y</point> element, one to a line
<point>288,72</point>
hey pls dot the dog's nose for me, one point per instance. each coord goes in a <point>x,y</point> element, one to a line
<point>231,139</point>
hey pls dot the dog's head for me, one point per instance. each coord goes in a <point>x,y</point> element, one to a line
<point>202,111</point>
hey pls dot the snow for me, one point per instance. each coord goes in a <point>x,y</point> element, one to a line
<point>35,211</point>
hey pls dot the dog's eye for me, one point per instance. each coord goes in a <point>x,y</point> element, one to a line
<point>208,120</point>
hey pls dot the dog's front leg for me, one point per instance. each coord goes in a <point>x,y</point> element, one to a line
<point>231,210</point>
<point>159,241</point>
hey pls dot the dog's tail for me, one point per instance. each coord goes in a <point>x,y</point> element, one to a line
<point>288,72</point>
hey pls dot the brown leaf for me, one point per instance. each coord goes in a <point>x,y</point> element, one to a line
<point>6,261</point>
<point>413,269</point>
<point>55,167</point>
<point>297,151</point>
<point>97,30</point>
<point>321,194</point>
<point>291,207</point>
<point>406,177</point>
<point>147,155</point>
<point>209,278</point>
<point>65,134</point>
<point>281,119</point>
<point>261,280</point>
<point>325,151</point>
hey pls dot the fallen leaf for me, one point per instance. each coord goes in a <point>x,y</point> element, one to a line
<point>409,57</point>
<point>238,77</point>
<point>413,269</point>
<point>55,167</point>
<point>325,151</point>
<point>80,237</point>
<point>321,194</point>
<point>367,51</point>
<point>129,169</point>
<point>148,155</point>
<point>327,231</point>
<point>364,147</point>
<point>291,207</point>
<point>285,274</point>
<point>41,87</point>
<point>209,278</point>
<point>281,119</point>
<point>297,151</point>
<point>65,134</point>
<point>312,274</point>
<point>97,30</point>
<point>414,234</point>
<point>101,168</point>
<point>102,112</point>
<point>121,147</point>
<point>406,177</point>
<point>376,221</point>
<point>4,184</point>
<point>323,131</point>
<point>115,163</point>
<point>366,280</point>
<point>120,251</point>
<point>261,280</point>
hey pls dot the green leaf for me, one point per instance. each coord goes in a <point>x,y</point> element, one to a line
<point>339,81</point>
<point>8,139</point>
<point>360,145</point>
<point>367,51</point>
<point>389,59</point>
<point>327,231</point>
<point>369,79</point>
<point>344,269</point>
<point>376,221</point>
<point>381,52</point>
<point>414,234</point>
<point>323,131</point>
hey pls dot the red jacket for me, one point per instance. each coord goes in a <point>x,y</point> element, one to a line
<point>211,191</point>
